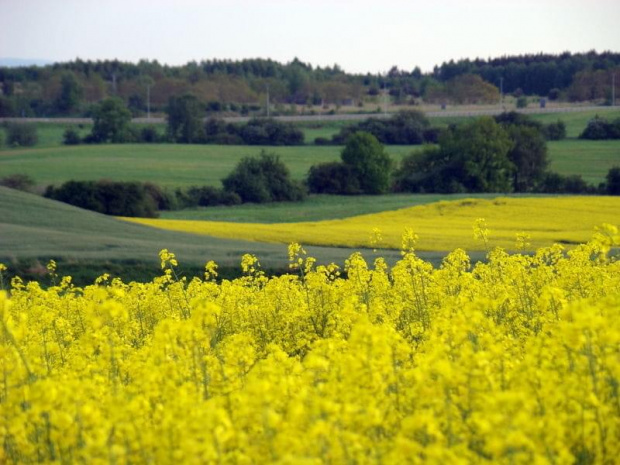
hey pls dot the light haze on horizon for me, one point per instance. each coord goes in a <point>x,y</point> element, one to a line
<point>360,36</point>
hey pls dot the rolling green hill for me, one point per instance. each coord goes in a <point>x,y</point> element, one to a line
<point>34,229</point>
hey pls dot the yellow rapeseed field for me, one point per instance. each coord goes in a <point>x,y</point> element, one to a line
<point>512,361</point>
<point>441,226</point>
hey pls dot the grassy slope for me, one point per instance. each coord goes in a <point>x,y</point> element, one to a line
<point>34,227</point>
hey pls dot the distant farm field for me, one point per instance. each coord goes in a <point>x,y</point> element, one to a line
<point>440,225</point>
<point>169,165</point>
<point>590,159</point>
<point>575,121</point>
<point>172,166</point>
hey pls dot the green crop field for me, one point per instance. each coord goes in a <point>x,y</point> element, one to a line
<point>590,159</point>
<point>168,165</point>
<point>173,166</point>
<point>576,121</point>
<point>317,208</point>
<point>51,134</point>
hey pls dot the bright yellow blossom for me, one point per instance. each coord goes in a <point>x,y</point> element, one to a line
<point>513,360</point>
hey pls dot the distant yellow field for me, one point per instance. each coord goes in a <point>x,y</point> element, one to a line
<point>440,226</point>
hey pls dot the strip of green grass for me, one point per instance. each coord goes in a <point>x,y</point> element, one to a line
<point>168,165</point>
<point>576,122</point>
<point>315,208</point>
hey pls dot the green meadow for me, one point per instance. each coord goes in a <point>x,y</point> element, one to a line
<point>178,165</point>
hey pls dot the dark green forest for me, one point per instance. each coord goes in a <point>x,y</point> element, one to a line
<point>243,87</point>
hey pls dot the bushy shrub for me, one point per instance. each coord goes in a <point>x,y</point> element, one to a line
<point>107,197</point>
<point>512,118</point>
<point>111,120</point>
<point>22,182</point>
<point>71,137</point>
<point>263,179</point>
<point>472,157</point>
<point>528,154</point>
<point>333,178</point>
<point>322,141</point>
<point>184,118</point>
<point>404,128</point>
<point>163,199</point>
<point>431,135</point>
<point>209,196</point>
<point>365,169</point>
<point>428,171</point>
<point>551,131</point>
<point>555,131</point>
<point>369,162</point>
<point>270,132</point>
<point>613,181</point>
<point>227,139</point>
<point>600,129</point>
<point>21,134</point>
<point>554,183</point>
<point>255,132</point>
<point>522,102</point>
<point>150,135</point>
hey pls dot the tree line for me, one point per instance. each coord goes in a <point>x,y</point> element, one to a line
<point>538,74</point>
<point>185,125</point>
<point>242,86</point>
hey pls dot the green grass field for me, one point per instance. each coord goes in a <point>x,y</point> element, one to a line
<point>315,208</point>
<point>168,165</point>
<point>576,121</point>
<point>591,159</point>
<point>174,166</point>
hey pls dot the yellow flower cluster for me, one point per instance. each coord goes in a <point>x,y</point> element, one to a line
<point>515,360</point>
<point>441,226</point>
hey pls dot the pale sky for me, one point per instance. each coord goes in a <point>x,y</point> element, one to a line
<point>359,35</point>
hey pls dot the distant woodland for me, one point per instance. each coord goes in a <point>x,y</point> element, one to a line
<point>243,87</point>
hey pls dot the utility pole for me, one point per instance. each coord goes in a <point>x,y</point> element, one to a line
<point>613,89</point>
<point>267,100</point>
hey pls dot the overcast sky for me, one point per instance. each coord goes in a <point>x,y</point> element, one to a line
<point>359,35</point>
